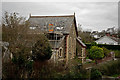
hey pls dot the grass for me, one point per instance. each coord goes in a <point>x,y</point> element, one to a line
<point>116,75</point>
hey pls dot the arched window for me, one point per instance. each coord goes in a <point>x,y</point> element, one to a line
<point>60,52</point>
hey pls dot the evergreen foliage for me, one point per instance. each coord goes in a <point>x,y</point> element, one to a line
<point>96,53</point>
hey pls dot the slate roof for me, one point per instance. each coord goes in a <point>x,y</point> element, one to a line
<point>60,24</point>
<point>80,42</point>
<point>42,22</point>
<point>112,38</point>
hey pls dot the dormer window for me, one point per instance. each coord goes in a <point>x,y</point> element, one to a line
<point>59,28</point>
<point>33,27</point>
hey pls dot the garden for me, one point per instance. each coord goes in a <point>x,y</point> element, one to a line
<point>106,61</point>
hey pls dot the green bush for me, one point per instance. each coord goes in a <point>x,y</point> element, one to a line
<point>110,68</point>
<point>87,57</point>
<point>106,51</point>
<point>93,44</point>
<point>77,73</point>
<point>95,74</point>
<point>96,53</point>
<point>117,53</point>
<point>110,47</point>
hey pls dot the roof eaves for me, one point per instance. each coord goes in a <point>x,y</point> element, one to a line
<point>81,43</point>
<point>51,16</point>
<point>75,26</point>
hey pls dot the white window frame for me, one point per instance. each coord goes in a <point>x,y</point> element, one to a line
<point>32,27</point>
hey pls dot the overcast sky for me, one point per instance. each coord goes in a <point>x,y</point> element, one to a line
<point>91,15</point>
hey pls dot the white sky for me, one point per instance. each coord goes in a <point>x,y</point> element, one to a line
<point>91,15</point>
<point>60,0</point>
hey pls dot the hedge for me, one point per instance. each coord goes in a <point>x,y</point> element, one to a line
<point>110,47</point>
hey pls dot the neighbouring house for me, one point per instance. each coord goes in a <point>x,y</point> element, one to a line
<point>61,32</point>
<point>112,30</point>
<point>107,40</point>
<point>95,34</point>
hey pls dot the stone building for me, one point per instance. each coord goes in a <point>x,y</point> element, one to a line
<point>61,32</point>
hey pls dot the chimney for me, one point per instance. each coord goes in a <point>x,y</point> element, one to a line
<point>30,15</point>
<point>113,35</point>
<point>107,34</point>
<point>74,13</point>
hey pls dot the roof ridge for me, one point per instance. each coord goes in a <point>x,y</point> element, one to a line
<point>113,38</point>
<point>51,16</point>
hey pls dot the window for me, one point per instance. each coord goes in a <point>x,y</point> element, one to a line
<point>60,53</point>
<point>54,36</point>
<point>32,27</point>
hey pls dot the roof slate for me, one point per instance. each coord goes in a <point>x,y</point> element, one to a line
<point>42,22</point>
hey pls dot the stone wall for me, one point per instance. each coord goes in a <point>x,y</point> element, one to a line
<point>72,42</point>
<point>79,49</point>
